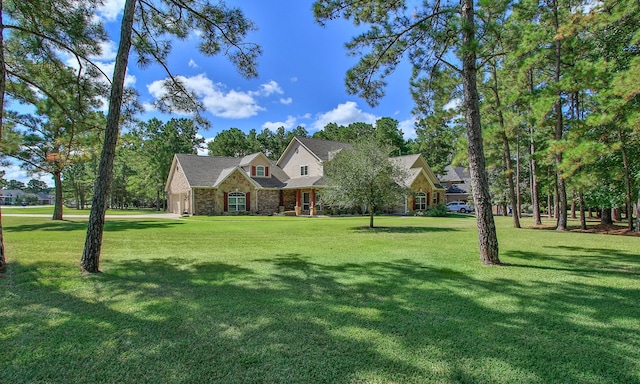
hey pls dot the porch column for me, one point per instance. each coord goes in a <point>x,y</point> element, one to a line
<point>312,208</point>
<point>298,205</point>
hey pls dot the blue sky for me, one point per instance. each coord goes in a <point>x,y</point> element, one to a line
<point>301,75</point>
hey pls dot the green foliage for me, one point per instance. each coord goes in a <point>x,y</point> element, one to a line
<point>235,143</point>
<point>16,184</point>
<point>438,210</point>
<point>363,176</point>
<point>36,186</point>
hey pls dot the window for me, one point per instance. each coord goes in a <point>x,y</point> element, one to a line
<point>304,170</point>
<point>421,201</point>
<point>237,202</point>
<point>260,171</point>
<point>435,198</point>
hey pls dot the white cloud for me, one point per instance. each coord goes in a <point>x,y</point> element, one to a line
<point>453,104</point>
<point>286,101</point>
<point>108,51</point>
<point>294,79</point>
<point>288,124</point>
<point>13,172</point>
<point>110,9</point>
<point>193,64</point>
<point>203,150</point>
<point>220,101</point>
<point>269,89</point>
<point>408,129</point>
<point>344,114</point>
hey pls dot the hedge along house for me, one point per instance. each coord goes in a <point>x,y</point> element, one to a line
<point>209,185</point>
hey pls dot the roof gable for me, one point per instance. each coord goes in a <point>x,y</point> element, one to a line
<point>321,149</point>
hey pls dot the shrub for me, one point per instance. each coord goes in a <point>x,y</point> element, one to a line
<point>438,210</point>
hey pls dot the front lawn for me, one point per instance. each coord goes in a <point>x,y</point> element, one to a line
<point>48,210</point>
<point>317,300</point>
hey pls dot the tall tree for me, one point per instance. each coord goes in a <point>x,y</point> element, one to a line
<point>429,35</point>
<point>231,142</point>
<point>364,176</point>
<point>145,23</point>
<point>160,141</point>
<point>51,136</point>
<point>44,28</point>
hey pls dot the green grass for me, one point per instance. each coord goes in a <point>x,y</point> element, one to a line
<point>48,210</point>
<point>322,300</point>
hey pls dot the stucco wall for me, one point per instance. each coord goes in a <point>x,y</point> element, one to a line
<point>298,156</point>
<point>178,192</point>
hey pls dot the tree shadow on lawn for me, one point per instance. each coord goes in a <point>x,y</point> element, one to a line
<point>581,260</point>
<point>288,319</point>
<point>403,229</point>
<point>111,225</point>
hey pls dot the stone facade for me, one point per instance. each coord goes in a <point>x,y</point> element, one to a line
<point>268,201</point>
<point>204,201</point>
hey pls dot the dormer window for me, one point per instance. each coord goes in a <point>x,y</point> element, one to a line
<point>304,170</point>
<point>259,171</point>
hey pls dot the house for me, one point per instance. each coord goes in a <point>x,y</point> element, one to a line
<point>11,196</point>
<point>457,181</point>
<point>211,185</point>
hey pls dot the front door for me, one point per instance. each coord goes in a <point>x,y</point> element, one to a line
<point>305,202</point>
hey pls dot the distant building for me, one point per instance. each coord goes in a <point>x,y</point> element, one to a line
<point>457,181</point>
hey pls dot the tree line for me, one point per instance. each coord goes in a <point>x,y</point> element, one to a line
<point>539,98</point>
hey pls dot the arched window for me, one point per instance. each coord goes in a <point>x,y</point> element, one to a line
<point>421,201</point>
<point>260,171</point>
<point>236,202</point>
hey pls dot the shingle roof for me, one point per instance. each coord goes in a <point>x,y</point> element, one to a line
<point>456,174</point>
<point>322,148</point>
<point>206,171</point>
<point>407,161</point>
<point>304,182</point>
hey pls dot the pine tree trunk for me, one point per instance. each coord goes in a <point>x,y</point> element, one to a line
<point>90,261</point>
<point>627,181</point>
<point>3,84</point>
<point>583,219</point>
<point>58,206</point>
<point>506,154</point>
<point>535,197</point>
<point>487,237</point>
<point>637,213</point>
<point>561,189</point>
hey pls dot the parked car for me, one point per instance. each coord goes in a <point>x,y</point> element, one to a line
<point>459,206</point>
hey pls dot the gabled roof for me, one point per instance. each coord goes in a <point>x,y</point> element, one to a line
<point>321,149</point>
<point>414,165</point>
<point>249,158</point>
<point>456,175</point>
<point>209,171</point>
<point>11,192</point>
<point>203,171</point>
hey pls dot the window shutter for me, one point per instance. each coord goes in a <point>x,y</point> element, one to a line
<point>428,202</point>
<point>226,202</point>
<point>253,170</point>
<point>248,202</point>
<point>266,171</point>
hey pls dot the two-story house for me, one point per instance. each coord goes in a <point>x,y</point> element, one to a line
<point>211,185</point>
